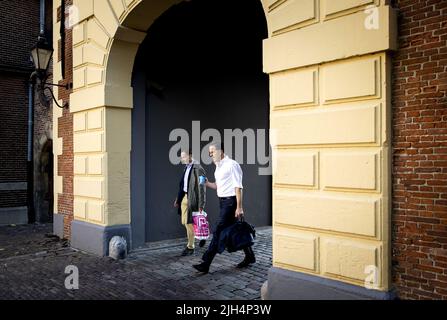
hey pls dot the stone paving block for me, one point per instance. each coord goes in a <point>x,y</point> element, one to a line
<point>32,266</point>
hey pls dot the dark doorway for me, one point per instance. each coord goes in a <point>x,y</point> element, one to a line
<point>201,61</point>
<point>44,184</point>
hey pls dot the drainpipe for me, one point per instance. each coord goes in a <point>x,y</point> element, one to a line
<point>30,153</point>
<point>42,17</point>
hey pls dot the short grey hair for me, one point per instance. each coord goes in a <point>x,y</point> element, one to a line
<point>218,145</point>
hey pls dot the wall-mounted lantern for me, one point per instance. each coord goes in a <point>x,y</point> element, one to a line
<point>41,55</point>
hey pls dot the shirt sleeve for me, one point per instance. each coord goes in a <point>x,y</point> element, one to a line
<point>236,175</point>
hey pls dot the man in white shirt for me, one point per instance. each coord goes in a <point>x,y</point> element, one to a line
<point>229,187</point>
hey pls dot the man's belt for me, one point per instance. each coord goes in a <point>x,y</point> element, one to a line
<point>226,198</point>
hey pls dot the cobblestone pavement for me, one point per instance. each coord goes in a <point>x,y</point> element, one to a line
<point>32,266</point>
<point>28,239</point>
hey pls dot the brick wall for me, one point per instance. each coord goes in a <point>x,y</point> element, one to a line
<point>16,40</point>
<point>13,128</point>
<point>420,151</point>
<point>18,37</point>
<point>65,131</point>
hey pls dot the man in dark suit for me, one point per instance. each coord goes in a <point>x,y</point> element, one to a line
<point>191,197</point>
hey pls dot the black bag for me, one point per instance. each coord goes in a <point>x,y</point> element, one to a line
<point>237,236</point>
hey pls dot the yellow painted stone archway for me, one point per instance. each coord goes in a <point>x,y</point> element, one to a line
<point>330,116</point>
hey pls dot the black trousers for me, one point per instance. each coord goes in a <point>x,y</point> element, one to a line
<point>226,218</point>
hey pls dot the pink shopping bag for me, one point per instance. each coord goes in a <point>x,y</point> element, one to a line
<point>201,226</point>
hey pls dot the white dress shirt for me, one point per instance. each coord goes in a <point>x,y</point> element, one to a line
<point>185,177</point>
<point>228,175</point>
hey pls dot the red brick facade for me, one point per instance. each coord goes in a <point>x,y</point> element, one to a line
<point>65,131</point>
<point>420,151</point>
<point>13,136</point>
<point>15,71</point>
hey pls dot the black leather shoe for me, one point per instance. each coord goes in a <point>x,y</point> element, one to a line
<point>203,267</point>
<point>202,243</point>
<point>249,259</point>
<point>187,252</point>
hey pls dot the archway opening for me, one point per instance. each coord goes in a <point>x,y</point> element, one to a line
<point>199,68</point>
<point>44,184</point>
